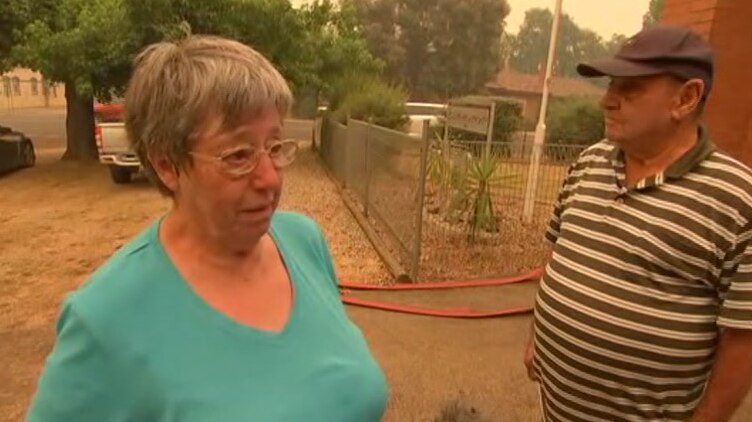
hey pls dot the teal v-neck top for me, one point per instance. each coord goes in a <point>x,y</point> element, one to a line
<point>135,343</point>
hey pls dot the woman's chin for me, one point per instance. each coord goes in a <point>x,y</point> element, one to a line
<point>252,225</point>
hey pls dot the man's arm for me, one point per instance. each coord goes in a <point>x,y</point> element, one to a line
<point>730,380</point>
<point>530,347</point>
<point>731,376</point>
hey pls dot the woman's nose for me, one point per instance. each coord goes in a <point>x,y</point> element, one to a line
<point>266,174</point>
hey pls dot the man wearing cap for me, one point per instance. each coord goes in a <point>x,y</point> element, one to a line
<point>644,311</point>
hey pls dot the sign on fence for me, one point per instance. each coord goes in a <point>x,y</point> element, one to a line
<point>478,118</point>
<point>471,119</point>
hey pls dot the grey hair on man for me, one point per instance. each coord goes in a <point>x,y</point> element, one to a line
<point>178,89</point>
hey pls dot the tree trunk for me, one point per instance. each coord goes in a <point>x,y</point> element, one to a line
<point>79,126</point>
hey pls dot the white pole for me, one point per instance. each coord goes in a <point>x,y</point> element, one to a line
<point>540,129</point>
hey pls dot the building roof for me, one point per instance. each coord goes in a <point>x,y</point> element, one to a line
<point>512,81</point>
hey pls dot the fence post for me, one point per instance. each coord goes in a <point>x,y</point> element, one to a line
<point>345,151</point>
<point>491,126</point>
<point>418,240</point>
<point>367,160</point>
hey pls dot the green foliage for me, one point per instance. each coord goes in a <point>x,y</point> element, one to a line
<point>85,43</point>
<point>89,44</point>
<point>574,121</point>
<point>507,121</point>
<point>654,13</point>
<point>336,46</point>
<point>14,14</point>
<point>462,185</point>
<point>441,169</point>
<point>369,99</point>
<point>472,200</point>
<point>427,46</point>
<point>529,48</point>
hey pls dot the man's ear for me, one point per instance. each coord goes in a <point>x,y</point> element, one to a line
<point>165,170</point>
<point>690,97</point>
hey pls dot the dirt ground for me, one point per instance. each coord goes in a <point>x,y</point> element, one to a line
<point>59,221</point>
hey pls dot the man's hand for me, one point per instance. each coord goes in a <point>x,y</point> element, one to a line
<point>529,356</point>
<point>730,379</point>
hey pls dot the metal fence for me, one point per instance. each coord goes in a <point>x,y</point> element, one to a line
<point>444,208</point>
<point>381,169</point>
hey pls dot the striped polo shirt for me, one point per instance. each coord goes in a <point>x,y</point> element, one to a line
<point>640,281</point>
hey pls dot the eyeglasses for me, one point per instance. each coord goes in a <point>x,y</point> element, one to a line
<point>242,160</point>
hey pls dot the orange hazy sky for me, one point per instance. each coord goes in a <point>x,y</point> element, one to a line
<point>605,17</point>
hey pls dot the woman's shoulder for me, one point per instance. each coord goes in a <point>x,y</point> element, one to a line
<point>122,280</point>
<point>296,225</point>
<point>301,237</point>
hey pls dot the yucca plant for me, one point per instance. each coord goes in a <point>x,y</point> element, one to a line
<point>473,201</point>
<point>440,164</point>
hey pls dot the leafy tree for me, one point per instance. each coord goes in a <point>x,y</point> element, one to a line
<point>427,46</point>
<point>615,43</point>
<point>336,48</point>
<point>88,44</point>
<point>529,47</point>
<point>654,13</point>
<point>14,14</point>
<point>84,44</point>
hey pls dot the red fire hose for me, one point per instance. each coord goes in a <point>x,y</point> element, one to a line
<point>461,312</point>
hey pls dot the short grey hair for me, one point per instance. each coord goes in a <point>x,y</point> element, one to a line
<point>177,87</point>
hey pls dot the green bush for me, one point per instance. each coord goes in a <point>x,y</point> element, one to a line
<point>574,121</point>
<point>368,98</point>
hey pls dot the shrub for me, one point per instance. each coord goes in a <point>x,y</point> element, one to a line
<point>574,121</point>
<point>368,98</point>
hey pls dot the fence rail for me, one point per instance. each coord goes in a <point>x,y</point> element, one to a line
<point>444,208</point>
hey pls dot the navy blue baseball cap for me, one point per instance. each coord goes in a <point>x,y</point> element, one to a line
<point>660,49</point>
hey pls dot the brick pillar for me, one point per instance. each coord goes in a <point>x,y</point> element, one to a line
<point>728,26</point>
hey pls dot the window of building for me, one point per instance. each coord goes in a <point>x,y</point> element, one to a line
<point>6,86</point>
<point>16,86</point>
<point>34,86</point>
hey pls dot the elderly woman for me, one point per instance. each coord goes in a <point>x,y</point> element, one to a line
<point>224,309</point>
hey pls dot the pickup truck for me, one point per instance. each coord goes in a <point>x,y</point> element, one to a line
<point>115,152</point>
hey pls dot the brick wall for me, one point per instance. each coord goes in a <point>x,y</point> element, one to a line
<point>697,13</point>
<point>728,26</point>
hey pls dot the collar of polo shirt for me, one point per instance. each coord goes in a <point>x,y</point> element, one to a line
<point>702,149</point>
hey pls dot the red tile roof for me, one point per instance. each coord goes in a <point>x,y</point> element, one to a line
<point>510,80</point>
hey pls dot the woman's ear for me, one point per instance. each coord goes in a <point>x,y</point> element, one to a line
<point>690,97</point>
<point>165,170</point>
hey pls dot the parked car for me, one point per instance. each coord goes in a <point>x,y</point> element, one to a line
<point>16,150</point>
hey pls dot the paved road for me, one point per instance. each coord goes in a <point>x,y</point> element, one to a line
<point>46,126</point>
